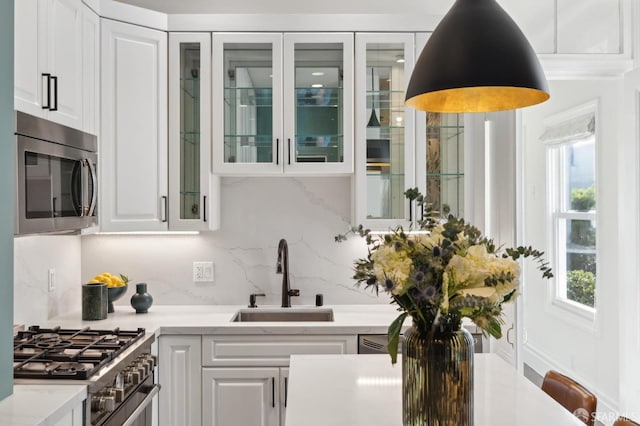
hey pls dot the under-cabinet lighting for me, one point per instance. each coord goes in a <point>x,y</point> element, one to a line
<point>379,381</point>
<point>400,59</point>
<point>317,85</point>
<point>317,73</point>
<point>416,232</point>
<point>166,233</point>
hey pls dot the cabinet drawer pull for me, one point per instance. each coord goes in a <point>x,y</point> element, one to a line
<point>164,208</point>
<point>204,208</point>
<point>289,151</point>
<point>47,76</point>
<point>286,390</point>
<point>54,78</point>
<point>273,392</point>
<point>277,151</point>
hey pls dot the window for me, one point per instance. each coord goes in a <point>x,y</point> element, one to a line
<point>572,197</point>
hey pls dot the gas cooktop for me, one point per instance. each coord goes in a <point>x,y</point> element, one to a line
<point>58,353</point>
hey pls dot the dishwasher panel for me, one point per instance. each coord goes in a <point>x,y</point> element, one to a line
<point>377,343</point>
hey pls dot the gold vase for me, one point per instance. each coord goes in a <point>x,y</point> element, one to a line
<point>437,378</point>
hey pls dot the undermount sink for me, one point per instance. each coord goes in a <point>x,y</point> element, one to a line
<point>283,314</point>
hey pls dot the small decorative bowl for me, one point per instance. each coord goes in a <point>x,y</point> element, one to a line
<point>113,294</point>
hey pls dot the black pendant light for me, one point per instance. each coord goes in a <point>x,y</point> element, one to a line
<point>476,60</point>
<point>373,120</point>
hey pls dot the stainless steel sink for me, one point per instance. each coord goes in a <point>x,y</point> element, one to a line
<point>283,314</point>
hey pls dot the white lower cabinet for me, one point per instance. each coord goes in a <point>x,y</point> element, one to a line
<point>179,374</point>
<point>245,379</point>
<point>241,396</point>
<point>233,380</point>
<point>75,417</point>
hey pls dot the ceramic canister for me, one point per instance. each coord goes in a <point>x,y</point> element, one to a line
<point>94,301</point>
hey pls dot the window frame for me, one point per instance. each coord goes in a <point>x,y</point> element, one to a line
<point>559,213</point>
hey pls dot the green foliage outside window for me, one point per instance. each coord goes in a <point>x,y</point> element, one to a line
<point>581,287</point>
<point>583,199</point>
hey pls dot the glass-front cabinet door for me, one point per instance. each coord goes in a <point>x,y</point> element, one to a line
<point>444,163</point>
<point>440,157</point>
<point>282,103</point>
<point>318,103</point>
<point>189,131</point>
<point>247,103</point>
<point>385,131</point>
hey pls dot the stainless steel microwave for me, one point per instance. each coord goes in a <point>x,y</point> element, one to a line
<point>57,180</point>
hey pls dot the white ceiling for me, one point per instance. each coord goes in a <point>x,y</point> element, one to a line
<point>438,7</point>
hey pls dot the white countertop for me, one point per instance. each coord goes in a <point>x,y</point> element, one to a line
<point>40,405</point>
<point>366,390</point>
<point>216,319</point>
<point>182,319</point>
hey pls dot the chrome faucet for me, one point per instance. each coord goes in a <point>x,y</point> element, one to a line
<point>282,267</point>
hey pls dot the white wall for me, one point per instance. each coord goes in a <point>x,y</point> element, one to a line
<point>256,213</point>
<point>556,338</point>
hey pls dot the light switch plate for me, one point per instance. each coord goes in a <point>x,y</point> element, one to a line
<point>203,272</point>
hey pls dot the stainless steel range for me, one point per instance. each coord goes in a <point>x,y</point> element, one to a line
<point>116,365</point>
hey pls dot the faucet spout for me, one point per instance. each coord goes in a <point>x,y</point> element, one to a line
<point>282,267</point>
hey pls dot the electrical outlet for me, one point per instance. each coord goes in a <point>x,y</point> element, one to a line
<point>203,272</point>
<point>52,280</point>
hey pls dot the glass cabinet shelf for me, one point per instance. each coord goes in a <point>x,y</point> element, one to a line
<point>265,138</point>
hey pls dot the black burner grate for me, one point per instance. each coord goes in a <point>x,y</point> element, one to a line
<point>58,353</point>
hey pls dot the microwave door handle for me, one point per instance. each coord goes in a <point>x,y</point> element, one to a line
<point>94,192</point>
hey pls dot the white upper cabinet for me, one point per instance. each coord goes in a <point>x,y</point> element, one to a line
<point>385,133</point>
<point>398,148</point>
<point>283,103</point>
<point>133,150</point>
<point>191,206</point>
<point>48,60</point>
<point>90,70</point>
<point>247,103</point>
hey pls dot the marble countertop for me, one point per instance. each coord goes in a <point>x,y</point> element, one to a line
<point>40,405</point>
<point>366,390</point>
<point>216,319</point>
<point>182,319</point>
<point>55,401</point>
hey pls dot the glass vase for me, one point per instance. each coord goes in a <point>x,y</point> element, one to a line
<point>437,378</point>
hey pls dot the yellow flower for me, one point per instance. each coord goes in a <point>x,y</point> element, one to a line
<point>391,264</point>
<point>471,271</point>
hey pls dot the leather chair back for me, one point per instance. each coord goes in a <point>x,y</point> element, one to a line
<point>571,395</point>
<point>623,421</point>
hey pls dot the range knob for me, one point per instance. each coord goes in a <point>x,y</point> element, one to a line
<point>119,395</point>
<point>150,359</point>
<point>131,377</point>
<point>97,403</point>
<point>109,403</point>
<point>147,365</point>
<point>135,377</point>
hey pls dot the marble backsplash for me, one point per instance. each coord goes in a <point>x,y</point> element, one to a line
<point>33,257</point>
<point>256,213</point>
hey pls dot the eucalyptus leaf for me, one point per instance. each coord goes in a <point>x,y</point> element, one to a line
<point>394,336</point>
